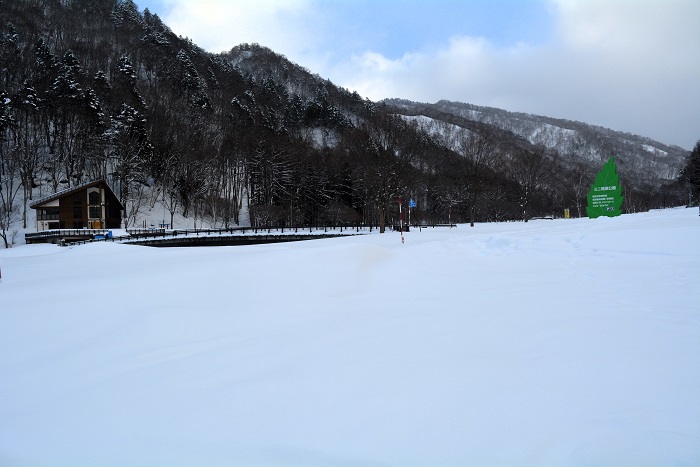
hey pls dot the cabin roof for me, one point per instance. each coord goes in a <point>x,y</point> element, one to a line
<point>68,191</point>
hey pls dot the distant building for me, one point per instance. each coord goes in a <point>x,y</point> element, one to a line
<point>92,205</point>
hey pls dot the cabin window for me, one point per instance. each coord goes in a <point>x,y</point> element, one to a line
<point>48,214</point>
<point>95,212</point>
<point>94,198</point>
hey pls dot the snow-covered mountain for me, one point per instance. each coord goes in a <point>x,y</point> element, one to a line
<point>639,158</point>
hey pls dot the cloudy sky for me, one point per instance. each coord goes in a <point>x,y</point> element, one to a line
<point>630,65</point>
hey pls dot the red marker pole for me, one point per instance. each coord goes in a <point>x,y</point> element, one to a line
<point>401,220</point>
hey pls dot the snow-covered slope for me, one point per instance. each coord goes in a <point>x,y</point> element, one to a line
<point>640,159</point>
<point>566,342</point>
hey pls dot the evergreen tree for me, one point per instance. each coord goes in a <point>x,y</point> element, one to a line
<point>691,173</point>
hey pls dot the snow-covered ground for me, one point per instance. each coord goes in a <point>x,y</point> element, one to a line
<point>564,342</point>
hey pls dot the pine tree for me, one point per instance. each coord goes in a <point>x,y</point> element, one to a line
<point>691,172</point>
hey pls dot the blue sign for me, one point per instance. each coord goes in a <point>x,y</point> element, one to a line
<point>411,203</point>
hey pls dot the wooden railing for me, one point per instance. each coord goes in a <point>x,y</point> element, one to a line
<point>78,236</point>
<point>65,233</point>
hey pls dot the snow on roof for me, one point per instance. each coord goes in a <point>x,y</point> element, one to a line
<point>67,191</point>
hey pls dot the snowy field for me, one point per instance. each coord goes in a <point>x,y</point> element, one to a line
<point>565,342</point>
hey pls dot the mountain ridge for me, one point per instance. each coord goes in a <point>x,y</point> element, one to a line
<point>595,144</point>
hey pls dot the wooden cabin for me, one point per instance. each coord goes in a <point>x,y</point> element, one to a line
<point>92,205</point>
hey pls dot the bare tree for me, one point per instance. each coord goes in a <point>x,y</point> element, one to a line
<point>482,153</point>
<point>579,179</point>
<point>386,158</point>
<point>10,182</point>
<point>226,187</point>
<point>531,169</point>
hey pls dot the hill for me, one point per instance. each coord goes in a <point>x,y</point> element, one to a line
<point>642,161</point>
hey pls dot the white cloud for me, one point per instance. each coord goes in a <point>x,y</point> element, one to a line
<point>219,25</point>
<point>630,65</point>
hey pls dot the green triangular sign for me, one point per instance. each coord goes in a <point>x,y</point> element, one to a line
<point>605,197</point>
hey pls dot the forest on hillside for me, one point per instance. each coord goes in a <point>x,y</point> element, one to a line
<point>95,89</point>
